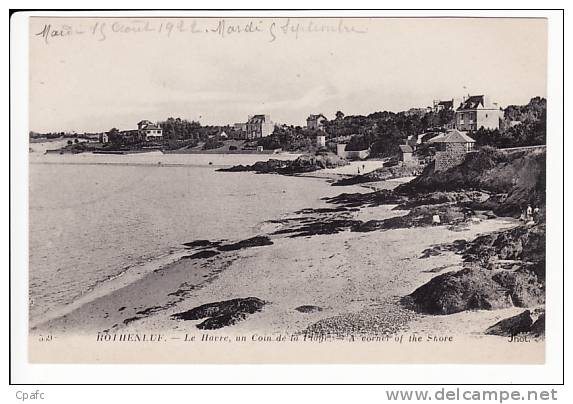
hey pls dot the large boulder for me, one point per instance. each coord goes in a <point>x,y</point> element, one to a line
<point>467,289</point>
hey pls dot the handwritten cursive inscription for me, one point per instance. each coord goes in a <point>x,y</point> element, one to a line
<point>270,29</point>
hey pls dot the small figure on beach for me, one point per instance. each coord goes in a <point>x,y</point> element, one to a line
<point>358,170</point>
<point>528,213</point>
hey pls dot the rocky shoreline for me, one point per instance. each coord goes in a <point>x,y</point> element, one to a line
<point>319,271</point>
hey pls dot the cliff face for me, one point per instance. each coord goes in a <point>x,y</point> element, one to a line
<point>513,179</point>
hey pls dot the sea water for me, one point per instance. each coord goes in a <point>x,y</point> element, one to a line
<point>93,217</point>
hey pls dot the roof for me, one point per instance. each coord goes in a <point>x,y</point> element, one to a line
<point>452,136</point>
<point>446,104</point>
<point>151,126</point>
<point>435,138</point>
<point>313,117</point>
<point>475,101</point>
<point>405,148</point>
<point>258,118</point>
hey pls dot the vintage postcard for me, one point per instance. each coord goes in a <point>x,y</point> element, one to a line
<point>287,189</point>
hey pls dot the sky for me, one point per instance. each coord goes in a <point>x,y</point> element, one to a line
<point>91,75</point>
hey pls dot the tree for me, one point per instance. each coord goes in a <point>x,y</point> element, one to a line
<point>339,115</point>
<point>114,137</point>
<point>212,143</point>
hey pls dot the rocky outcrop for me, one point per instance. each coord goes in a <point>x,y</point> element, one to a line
<point>319,226</point>
<point>206,247</point>
<point>509,270</point>
<point>380,174</point>
<point>370,199</point>
<point>523,243</point>
<point>478,288</point>
<point>513,178</point>
<point>420,216</point>
<point>303,164</point>
<point>222,314</point>
<point>469,199</point>
<point>257,241</point>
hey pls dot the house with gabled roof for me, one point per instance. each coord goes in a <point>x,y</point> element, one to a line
<point>406,153</point>
<point>149,131</point>
<point>451,149</point>
<point>447,105</point>
<point>259,126</point>
<point>315,121</point>
<point>477,111</point>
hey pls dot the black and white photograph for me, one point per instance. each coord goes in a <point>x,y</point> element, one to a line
<point>287,189</point>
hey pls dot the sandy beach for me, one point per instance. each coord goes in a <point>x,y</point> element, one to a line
<point>326,283</point>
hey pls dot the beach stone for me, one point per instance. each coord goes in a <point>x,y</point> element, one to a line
<point>198,243</point>
<point>308,309</point>
<point>222,314</point>
<point>202,254</point>
<point>512,326</point>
